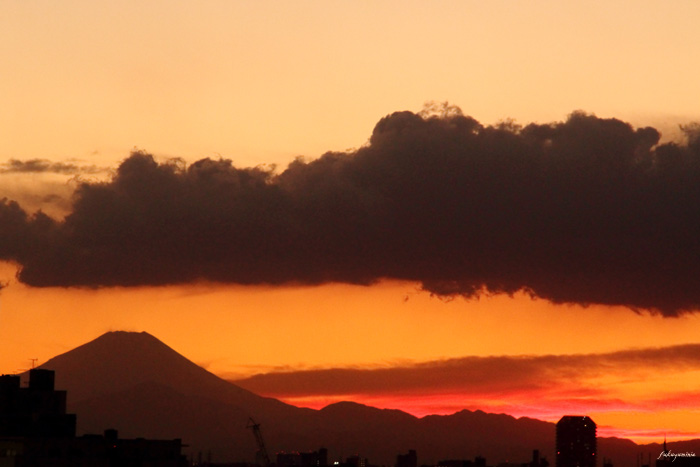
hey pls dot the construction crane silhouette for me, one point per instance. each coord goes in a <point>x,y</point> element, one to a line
<point>262,451</point>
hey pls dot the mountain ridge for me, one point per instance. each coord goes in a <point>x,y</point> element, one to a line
<point>139,385</point>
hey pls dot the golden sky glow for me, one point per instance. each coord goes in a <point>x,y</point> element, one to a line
<point>261,83</point>
<point>264,83</point>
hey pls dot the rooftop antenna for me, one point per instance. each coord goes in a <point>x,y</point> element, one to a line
<point>33,360</point>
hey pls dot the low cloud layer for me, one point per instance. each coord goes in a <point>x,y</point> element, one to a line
<point>592,382</point>
<point>478,375</point>
<point>588,211</point>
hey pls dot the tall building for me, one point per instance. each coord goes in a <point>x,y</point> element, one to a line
<point>576,442</point>
<point>36,431</point>
<point>37,410</point>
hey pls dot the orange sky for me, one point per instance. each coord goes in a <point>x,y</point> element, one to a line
<point>236,332</point>
<point>260,83</point>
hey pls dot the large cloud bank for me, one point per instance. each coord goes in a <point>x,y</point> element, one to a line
<point>589,211</point>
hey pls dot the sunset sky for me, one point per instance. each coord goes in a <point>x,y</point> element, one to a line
<point>530,248</point>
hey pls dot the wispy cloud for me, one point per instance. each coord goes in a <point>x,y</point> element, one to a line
<point>46,166</point>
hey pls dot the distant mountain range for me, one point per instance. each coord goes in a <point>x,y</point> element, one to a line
<point>138,385</point>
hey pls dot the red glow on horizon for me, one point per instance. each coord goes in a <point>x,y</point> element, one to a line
<point>646,436</point>
<point>449,405</point>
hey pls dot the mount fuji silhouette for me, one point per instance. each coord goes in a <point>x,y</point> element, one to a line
<point>138,385</point>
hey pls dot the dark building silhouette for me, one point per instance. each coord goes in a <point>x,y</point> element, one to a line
<point>36,431</point>
<point>35,411</point>
<point>455,463</point>
<point>576,442</point>
<point>356,461</point>
<point>303,459</point>
<point>407,460</point>
<point>537,460</point>
<point>479,461</point>
<point>317,458</point>
<point>288,459</point>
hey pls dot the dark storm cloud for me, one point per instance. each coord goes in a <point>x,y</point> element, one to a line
<point>568,375</point>
<point>20,233</point>
<point>585,211</point>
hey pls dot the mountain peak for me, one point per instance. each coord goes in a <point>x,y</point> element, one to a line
<point>120,334</point>
<point>119,360</point>
<point>127,338</point>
